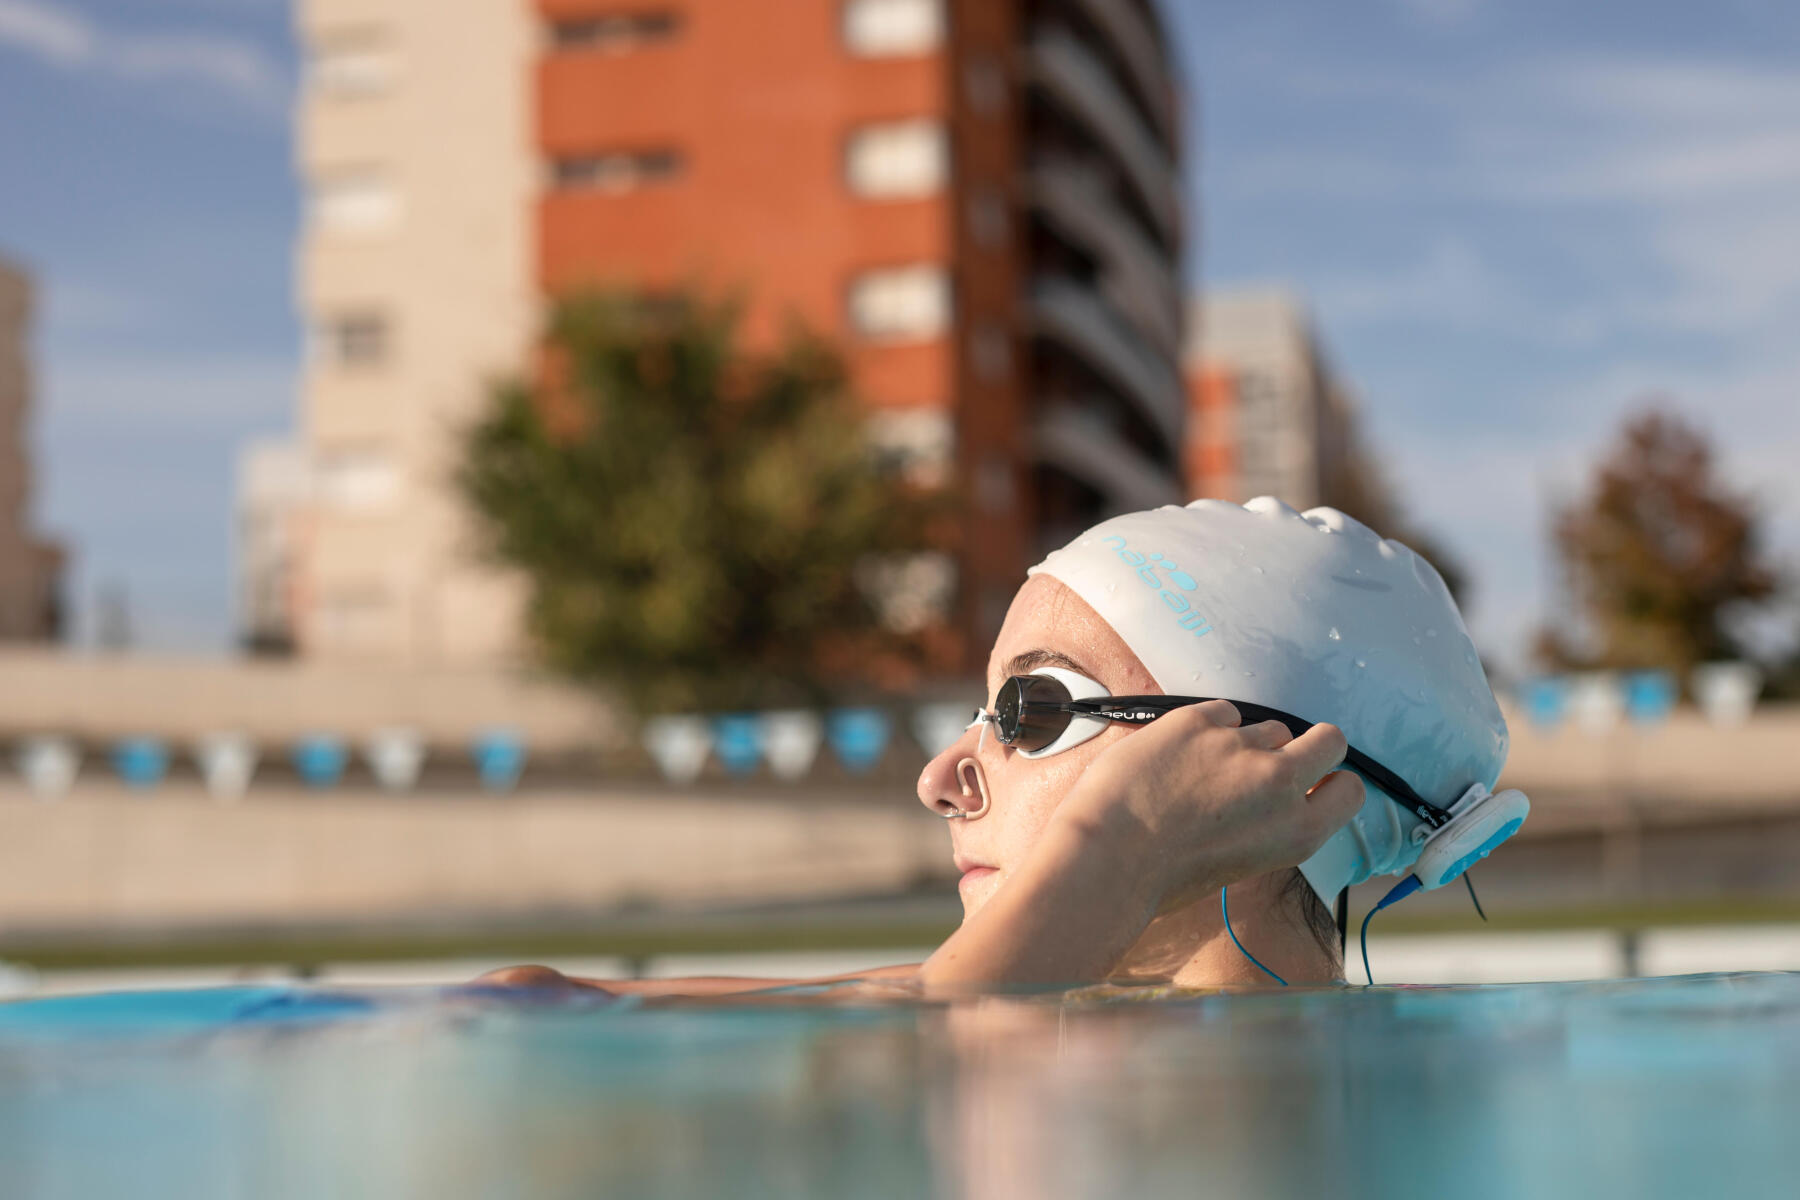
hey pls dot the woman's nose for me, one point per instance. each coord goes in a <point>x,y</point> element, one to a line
<point>945,786</point>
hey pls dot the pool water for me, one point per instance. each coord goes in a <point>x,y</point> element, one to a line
<point>1684,1086</point>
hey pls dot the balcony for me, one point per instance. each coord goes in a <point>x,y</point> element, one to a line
<point>1138,278</point>
<point>1076,318</point>
<point>1089,451</point>
<point>1140,48</point>
<point>1068,71</point>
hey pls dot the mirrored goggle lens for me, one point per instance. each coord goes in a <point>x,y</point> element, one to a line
<point>1025,716</point>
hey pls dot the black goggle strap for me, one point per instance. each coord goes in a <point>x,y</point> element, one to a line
<point>1141,710</point>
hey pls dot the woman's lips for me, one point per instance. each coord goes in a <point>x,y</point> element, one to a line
<point>974,875</point>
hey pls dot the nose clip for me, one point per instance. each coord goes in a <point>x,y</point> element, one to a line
<point>972,767</point>
<point>983,718</point>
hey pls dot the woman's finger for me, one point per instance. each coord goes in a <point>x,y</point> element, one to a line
<point>1335,799</point>
<point>1268,735</point>
<point>1221,712</point>
<point>1318,750</point>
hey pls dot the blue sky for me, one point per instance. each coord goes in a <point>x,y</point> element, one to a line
<point>1513,221</point>
<point>144,149</point>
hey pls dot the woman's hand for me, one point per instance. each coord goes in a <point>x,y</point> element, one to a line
<point>1195,801</point>
<point>1188,804</point>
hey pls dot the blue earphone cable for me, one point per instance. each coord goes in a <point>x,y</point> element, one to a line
<point>1225,912</point>
<point>1401,891</point>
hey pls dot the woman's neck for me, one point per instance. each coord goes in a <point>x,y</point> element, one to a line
<point>1189,947</point>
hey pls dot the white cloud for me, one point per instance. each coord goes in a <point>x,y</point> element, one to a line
<point>51,33</point>
<point>63,38</point>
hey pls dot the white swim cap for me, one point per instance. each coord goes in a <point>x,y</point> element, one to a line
<point>1316,615</point>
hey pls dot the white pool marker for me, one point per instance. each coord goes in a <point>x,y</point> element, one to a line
<point>679,744</point>
<point>1726,691</point>
<point>790,741</point>
<point>938,725</point>
<point>395,756</point>
<point>227,762</point>
<point>49,765</point>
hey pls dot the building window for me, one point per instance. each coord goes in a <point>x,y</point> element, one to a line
<point>355,479</point>
<point>916,444</point>
<point>898,160</point>
<point>989,223</point>
<point>901,303</point>
<point>909,592</point>
<point>353,617</point>
<point>620,171</point>
<point>617,33</point>
<point>990,353</point>
<point>893,28</point>
<point>353,340</point>
<point>984,81</point>
<point>351,65</point>
<point>354,201</point>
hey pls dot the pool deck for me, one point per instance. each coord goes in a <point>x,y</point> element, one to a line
<point>1636,829</point>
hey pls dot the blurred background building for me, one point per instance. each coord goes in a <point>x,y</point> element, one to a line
<point>274,511</point>
<point>30,566</point>
<point>979,202</point>
<point>1269,416</point>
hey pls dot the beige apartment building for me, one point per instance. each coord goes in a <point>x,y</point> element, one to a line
<point>416,281</point>
<point>1267,415</point>
<point>978,200</point>
<point>30,566</point>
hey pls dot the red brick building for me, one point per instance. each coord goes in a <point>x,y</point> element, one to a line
<point>978,200</point>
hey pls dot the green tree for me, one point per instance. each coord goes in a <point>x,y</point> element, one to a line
<point>1657,555</point>
<point>691,517</point>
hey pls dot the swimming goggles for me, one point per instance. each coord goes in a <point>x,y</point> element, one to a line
<point>1039,715</point>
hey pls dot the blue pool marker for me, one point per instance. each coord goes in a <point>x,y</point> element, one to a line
<point>1545,700</point>
<point>499,757</point>
<point>1649,695</point>
<point>737,740</point>
<point>858,736</point>
<point>141,761</point>
<point>319,759</point>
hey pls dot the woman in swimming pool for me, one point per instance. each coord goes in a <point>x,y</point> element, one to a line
<point>1105,847</point>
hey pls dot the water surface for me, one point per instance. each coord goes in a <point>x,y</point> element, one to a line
<point>1647,1088</point>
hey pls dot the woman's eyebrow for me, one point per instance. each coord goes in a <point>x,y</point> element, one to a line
<point>1021,664</point>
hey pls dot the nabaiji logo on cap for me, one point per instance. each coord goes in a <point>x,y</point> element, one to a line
<point>1146,569</point>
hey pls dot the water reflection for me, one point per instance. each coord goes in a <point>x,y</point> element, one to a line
<point>1650,1088</point>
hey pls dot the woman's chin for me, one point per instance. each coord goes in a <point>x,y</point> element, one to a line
<point>976,888</point>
